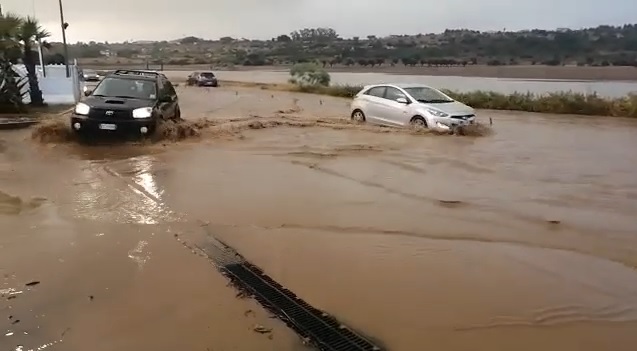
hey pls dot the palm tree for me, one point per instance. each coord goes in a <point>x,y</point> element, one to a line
<point>10,86</point>
<point>9,27</point>
<point>29,33</point>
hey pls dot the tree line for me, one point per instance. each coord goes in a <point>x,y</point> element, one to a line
<point>599,46</point>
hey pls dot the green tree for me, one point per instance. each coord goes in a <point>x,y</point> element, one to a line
<point>127,53</point>
<point>314,35</point>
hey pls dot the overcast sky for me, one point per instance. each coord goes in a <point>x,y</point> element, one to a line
<point>119,20</point>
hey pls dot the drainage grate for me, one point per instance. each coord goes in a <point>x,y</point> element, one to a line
<point>315,326</point>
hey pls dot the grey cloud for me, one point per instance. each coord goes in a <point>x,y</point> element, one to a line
<point>118,20</point>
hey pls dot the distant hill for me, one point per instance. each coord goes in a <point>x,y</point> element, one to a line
<point>599,46</point>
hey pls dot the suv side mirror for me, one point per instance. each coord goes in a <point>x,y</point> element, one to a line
<point>88,92</point>
<point>166,98</point>
<point>402,100</point>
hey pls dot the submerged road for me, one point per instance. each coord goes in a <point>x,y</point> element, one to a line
<point>524,239</point>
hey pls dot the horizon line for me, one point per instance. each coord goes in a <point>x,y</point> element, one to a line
<point>492,31</point>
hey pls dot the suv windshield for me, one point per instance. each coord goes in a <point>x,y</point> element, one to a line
<point>207,75</point>
<point>427,95</point>
<point>126,88</point>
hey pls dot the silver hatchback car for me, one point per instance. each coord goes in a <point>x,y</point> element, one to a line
<point>402,105</point>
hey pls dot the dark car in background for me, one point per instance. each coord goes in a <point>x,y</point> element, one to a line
<point>202,79</point>
<point>89,75</point>
<point>132,100</point>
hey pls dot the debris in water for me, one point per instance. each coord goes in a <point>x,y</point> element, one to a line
<point>256,125</point>
<point>91,297</point>
<point>450,203</point>
<point>242,295</point>
<point>32,283</point>
<point>476,130</point>
<point>554,221</point>
<point>261,329</point>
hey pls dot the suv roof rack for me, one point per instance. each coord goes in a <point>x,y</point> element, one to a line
<point>137,72</point>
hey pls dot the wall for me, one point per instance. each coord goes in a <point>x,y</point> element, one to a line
<point>56,87</point>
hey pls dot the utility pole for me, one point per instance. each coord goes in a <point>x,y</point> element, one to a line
<point>66,48</point>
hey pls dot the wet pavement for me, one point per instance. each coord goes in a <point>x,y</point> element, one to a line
<point>524,239</point>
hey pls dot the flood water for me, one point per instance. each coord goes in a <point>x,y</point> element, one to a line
<point>522,239</point>
<point>463,84</point>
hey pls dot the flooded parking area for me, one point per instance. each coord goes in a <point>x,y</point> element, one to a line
<point>524,238</point>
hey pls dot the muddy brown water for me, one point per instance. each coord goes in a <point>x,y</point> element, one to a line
<point>522,239</point>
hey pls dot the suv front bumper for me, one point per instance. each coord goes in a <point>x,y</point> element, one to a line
<point>85,124</point>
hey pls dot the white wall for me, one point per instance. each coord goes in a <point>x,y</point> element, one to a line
<point>56,87</point>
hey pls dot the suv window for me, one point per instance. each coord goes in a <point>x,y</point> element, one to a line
<point>376,91</point>
<point>126,88</point>
<point>207,75</point>
<point>393,94</point>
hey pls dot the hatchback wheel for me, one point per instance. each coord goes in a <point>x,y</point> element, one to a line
<point>358,116</point>
<point>418,122</point>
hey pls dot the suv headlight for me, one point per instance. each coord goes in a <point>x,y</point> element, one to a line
<point>437,113</point>
<point>144,112</point>
<point>82,109</point>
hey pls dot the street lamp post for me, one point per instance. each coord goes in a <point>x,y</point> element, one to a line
<point>66,48</point>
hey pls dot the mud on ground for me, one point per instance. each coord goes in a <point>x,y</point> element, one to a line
<point>522,239</point>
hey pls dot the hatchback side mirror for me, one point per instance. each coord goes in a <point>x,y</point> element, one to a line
<point>402,100</point>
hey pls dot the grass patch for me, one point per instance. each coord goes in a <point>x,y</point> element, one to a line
<point>557,103</point>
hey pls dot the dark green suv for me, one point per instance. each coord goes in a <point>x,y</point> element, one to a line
<point>133,100</point>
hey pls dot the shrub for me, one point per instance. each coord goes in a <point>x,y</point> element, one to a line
<point>558,103</point>
<point>309,75</point>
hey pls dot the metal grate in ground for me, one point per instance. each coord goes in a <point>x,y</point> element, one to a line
<point>315,326</point>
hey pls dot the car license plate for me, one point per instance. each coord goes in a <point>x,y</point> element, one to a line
<point>105,126</point>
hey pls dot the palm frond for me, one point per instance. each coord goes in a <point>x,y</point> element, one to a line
<point>31,30</point>
<point>9,27</point>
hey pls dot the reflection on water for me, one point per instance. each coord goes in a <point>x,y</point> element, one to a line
<point>103,198</point>
<point>138,254</point>
<point>39,348</point>
<point>145,179</point>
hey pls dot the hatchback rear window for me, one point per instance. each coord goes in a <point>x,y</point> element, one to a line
<point>208,75</point>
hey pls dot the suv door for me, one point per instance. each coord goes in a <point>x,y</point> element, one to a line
<point>392,112</point>
<point>167,98</point>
